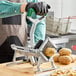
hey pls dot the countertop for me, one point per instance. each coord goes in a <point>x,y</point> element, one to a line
<point>26,69</point>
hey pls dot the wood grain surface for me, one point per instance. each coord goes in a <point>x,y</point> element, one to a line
<point>26,69</point>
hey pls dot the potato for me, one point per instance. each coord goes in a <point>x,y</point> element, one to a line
<point>73,58</point>
<point>49,51</point>
<point>56,57</point>
<point>65,51</point>
<point>65,60</point>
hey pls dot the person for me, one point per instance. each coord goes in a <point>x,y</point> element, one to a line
<point>14,33</point>
<point>13,23</point>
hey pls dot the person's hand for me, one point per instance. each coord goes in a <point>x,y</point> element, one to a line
<point>40,8</point>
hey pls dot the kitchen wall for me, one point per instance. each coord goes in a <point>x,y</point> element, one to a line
<point>63,8</point>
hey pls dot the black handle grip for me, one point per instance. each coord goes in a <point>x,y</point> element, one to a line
<point>38,44</point>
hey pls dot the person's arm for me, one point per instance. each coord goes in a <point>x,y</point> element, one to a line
<point>8,9</point>
<point>11,9</point>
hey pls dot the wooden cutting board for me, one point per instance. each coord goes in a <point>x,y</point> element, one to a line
<point>26,69</point>
<point>16,70</point>
<point>8,72</point>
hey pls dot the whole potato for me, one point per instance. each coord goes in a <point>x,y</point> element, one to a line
<point>65,60</point>
<point>49,51</point>
<point>65,51</point>
<point>56,57</point>
<point>73,58</point>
